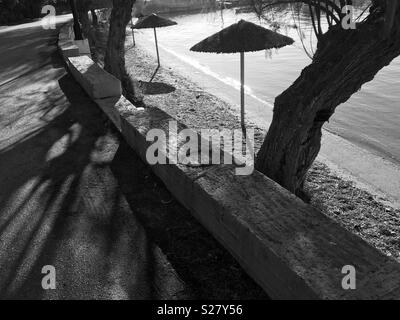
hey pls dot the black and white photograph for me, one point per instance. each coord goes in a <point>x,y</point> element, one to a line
<point>199,158</point>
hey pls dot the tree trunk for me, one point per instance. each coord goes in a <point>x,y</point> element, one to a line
<point>83,13</point>
<point>344,61</point>
<point>114,61</point>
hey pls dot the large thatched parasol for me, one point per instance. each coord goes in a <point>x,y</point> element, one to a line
<point>242,37</point>
<point>154,21</point>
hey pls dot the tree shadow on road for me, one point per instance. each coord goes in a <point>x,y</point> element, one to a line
<point>200,261</point>
<point>72,196</point>
<point>61,206</point>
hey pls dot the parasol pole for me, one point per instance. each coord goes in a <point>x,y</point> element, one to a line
<point>158,54</point>
<point>242,88</point>
<point>133,33</point>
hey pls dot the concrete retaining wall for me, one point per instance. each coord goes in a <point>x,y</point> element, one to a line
<point>68,46</point>
<point>291,249</point>
<point>97,83</point>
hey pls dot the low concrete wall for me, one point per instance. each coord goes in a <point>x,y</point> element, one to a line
<point>66,32</point>
<point>70,47</point>
<point>97,83</point>
<point>291,249</point>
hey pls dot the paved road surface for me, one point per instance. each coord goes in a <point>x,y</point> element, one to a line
<point>60,203</point>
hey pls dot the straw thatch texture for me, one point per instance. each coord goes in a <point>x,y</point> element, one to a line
<point>153,21</point>
<point>243,36</point>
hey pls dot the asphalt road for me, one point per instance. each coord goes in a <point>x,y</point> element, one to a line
<point>60,204</point>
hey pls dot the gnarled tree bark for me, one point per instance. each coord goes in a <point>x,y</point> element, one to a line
<point>344,61</point>
<point>114,61</point>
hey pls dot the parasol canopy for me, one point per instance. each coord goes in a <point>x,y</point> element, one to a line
<point>153,21</point>
<point>242,37</point>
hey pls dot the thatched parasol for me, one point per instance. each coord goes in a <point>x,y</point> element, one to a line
<point>242,37</point>
<point>154,21</point>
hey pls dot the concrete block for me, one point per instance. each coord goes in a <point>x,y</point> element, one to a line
<point>68,49</point>
<point>97,83</point>
<point>83,45</point>
<point>64,36</point>
<point>108,107</point>
<point>66,32</point>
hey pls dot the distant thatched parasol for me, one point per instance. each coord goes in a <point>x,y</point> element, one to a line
<point>242,37</point>
<point>154,21</point>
